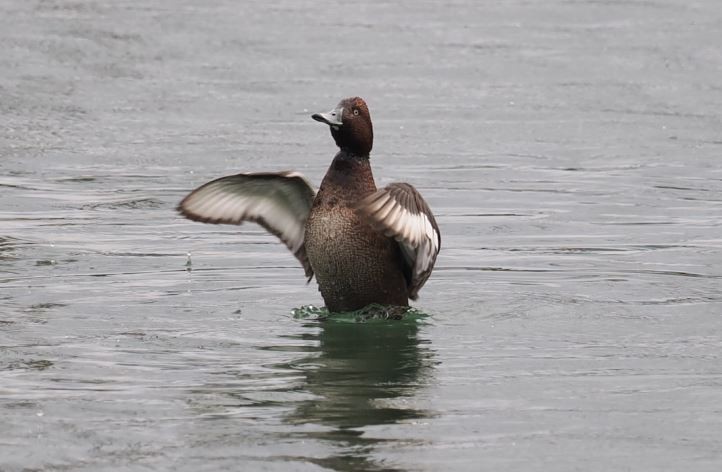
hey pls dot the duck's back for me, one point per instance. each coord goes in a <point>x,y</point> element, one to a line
<point>354,264</point>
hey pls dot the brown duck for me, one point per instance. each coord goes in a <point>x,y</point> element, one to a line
<point>365,245</point>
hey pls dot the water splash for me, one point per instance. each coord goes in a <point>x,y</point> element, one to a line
<point>373,313</point>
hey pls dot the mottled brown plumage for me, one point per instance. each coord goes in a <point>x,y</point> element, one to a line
<point>355,265</point>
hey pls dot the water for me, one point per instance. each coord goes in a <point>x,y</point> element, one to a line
<point>570,150</point>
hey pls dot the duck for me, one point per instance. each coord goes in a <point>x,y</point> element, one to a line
<point>365,245</point>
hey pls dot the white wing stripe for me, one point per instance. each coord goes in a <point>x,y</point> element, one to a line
<point>278,201</point>
<point>401,213</point>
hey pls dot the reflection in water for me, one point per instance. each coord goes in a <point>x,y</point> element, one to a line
<point>359,368</point>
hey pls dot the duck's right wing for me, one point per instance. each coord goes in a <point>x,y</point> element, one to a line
<point>280,202</point>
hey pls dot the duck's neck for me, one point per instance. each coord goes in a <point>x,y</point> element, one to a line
<point>349,176</point>
<point>348,154</point>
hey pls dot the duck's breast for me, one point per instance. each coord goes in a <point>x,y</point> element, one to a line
<point>354,264</point>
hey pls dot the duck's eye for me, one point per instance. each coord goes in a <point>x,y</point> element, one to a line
<point>355,112</point>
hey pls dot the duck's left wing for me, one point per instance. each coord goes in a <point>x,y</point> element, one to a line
<point>280,202</point>
<point>399,211</point>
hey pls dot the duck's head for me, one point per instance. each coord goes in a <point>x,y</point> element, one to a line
<point>350,124</point>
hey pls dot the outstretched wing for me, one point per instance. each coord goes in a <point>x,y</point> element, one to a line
<point>280,202</point>
<point>399,211</point>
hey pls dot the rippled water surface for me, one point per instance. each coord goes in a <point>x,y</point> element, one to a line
<point>571,153</point>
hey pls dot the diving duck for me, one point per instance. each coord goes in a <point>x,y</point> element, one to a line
<point>364,245</point>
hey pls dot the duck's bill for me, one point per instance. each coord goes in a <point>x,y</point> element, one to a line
<point>331,118</point>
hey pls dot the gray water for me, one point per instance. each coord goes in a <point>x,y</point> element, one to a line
<point>571,153</point>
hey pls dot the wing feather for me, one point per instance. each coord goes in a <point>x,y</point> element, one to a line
<point>399,211</point>
<point>280,202</point>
